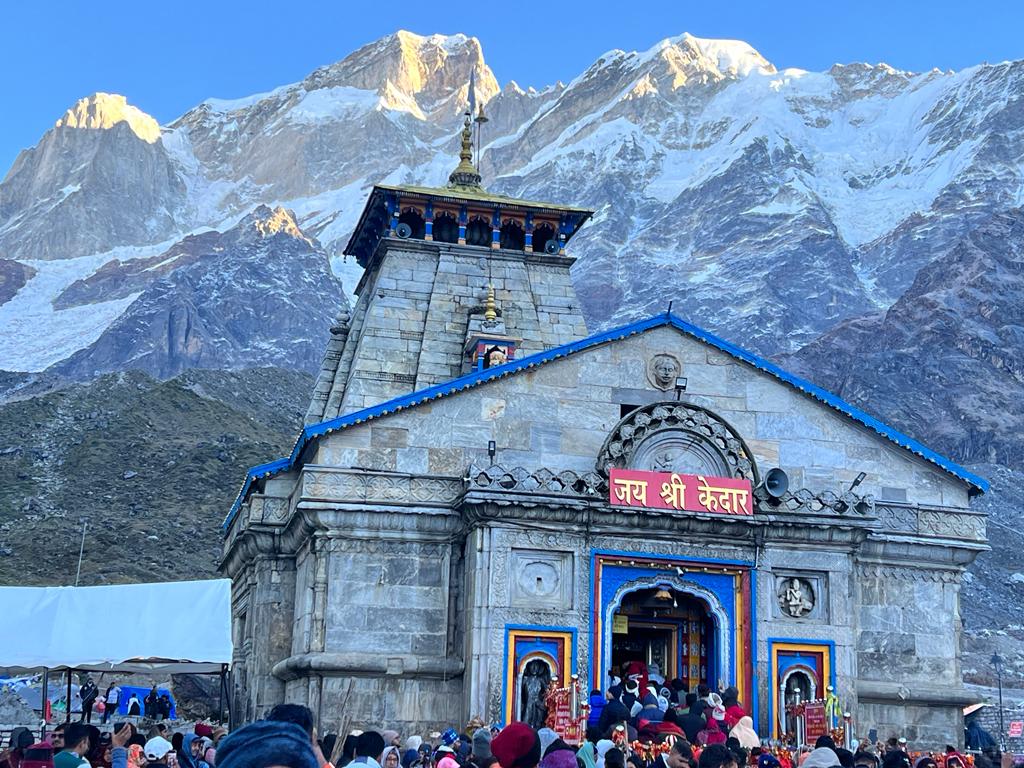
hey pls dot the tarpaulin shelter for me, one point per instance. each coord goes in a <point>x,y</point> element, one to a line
<point>160,628</point>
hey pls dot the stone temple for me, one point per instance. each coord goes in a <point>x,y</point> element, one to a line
<point>443,541</point>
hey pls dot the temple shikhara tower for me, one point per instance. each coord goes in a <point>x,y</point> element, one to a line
<point>486,500</point>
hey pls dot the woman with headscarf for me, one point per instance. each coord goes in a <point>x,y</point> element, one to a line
<point>587,755</point>
<point>711,734</point>
<point>744,733</point>
<point>390,758</point>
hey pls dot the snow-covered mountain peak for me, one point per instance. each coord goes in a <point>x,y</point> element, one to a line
<point>733,58</point>
<point>434,70</point>
<point>105,110</point>
<point>269,221</point>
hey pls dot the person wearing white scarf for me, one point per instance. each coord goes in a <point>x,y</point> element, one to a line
<point>745,734</point>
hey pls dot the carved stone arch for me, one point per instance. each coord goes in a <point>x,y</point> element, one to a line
<point>697,440</point>
<point>719,615</point>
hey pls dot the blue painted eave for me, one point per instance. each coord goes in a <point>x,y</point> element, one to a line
<point>315,431</point>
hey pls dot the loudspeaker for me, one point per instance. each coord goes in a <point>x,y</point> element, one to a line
<point>551,246</point>
<point>403,230</point>
<point>776,483</point>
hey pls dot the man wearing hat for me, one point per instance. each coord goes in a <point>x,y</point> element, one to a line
<point>482,757</point>
<point>517,746</point>
<point>445,755</point>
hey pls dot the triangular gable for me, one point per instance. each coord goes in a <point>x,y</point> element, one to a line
<point>315,431</point>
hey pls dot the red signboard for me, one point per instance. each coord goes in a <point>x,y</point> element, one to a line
<point>671,490</point>
<point>560,719</point>
<point>815,724</point>
<point>1016,729</point>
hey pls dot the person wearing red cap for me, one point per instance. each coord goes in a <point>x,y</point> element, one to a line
<point>517,746</point>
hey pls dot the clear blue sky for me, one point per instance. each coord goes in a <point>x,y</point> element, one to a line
<point>168,55</point>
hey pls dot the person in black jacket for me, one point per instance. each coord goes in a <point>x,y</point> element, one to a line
<point>151,703</point>
<point>614,712</point>
<point>88,693</point>
<point>693,721</point>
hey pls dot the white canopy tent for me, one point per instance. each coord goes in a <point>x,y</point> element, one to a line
<point>169,627</point>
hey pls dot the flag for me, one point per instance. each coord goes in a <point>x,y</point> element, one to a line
<point>472,92</point>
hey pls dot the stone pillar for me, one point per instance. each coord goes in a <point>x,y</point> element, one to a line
<point>272,607</point>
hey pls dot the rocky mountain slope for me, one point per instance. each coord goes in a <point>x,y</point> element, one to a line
<point>150,466</point>
<point>261,291</point>
<point>863,225</point>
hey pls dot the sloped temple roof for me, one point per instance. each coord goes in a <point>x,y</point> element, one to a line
<point>313,432</point>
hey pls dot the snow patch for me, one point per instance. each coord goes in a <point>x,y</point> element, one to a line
<point>36,335</point>
<point>336,103</point>
<point>232,105</point>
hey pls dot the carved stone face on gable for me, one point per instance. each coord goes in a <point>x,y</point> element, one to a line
<point>662,371</point>
<point>677,437</point>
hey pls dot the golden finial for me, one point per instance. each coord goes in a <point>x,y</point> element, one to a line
<point>491,308</point>
<point>466,174</point>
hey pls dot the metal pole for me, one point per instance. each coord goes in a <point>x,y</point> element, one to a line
<point>81,550</point>
<point>67,707</point>
<point>1002,729</point>
<point>45,701</point>
<point>220,697</point>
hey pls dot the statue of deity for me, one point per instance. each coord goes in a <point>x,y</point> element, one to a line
<point>533,689</point>
<point>496,356</point>
<point>796,599</point>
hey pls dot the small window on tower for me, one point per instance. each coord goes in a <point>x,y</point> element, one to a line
<point>512,236</point>
<point>446,228</point>
<point>541,236</point>
<point>478,232</point>
<point>414,221</point>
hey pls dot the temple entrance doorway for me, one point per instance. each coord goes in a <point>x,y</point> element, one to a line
<point>669,629</point>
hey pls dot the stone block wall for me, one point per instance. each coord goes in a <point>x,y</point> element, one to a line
<point>924,727</point>
<point>559,415</point>
<point>388,598</point>
<point>909,622</point>
<point>409,326</point>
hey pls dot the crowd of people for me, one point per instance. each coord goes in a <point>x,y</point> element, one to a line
<point>663,727</point>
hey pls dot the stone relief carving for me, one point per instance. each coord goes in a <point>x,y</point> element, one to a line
<point>677,435</point>
<point>796,597</point>
<point>931,522</point>
<point>379,487</point>
<point>890,572</point>
<point>541,578</point>
<point>804,501</point>
<point>567,482</point>
<point>662,370</point>
<point>275,510</point>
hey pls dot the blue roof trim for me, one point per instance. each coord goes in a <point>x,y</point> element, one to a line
<point>251,476</point>
<point>470,380</point>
